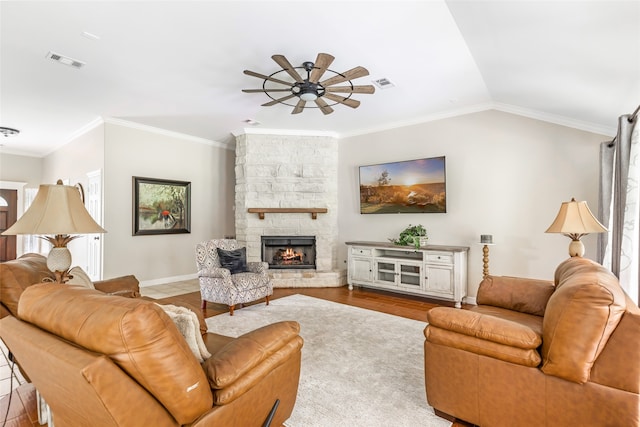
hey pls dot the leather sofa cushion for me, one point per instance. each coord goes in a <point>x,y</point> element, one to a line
<point>18,274</point>
<point>136,334</point>
<point>582,313</point>
<point>515,293</point>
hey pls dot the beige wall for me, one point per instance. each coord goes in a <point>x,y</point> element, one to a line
<point>133,152</point>
<point>71,163</point>
<point>21,169</point>
<point>506,176</point>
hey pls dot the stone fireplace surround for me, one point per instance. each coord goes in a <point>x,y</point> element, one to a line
<point>289,173</point>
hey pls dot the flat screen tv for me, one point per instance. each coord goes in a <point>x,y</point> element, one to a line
<point>411,186</point>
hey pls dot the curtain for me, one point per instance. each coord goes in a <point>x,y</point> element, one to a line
<point>619,205</point>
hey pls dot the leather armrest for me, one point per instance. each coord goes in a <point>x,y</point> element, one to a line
<point>488,328</point>
<point>247,351</point>
<point>124,286</point>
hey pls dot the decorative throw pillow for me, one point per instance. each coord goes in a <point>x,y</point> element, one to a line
<point>80,278</point>
<point>235,261</point>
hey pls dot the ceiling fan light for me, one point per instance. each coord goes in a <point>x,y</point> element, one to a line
<point>308,96</point>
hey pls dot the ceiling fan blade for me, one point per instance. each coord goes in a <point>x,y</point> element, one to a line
<point>262,76</point>
<point>353,73</point>
<point>349,89</point>
<point>299,107</point>
<point>286,66</point>
<point>265,90</point>
<point>322,63</point>
<point>323,106</point>
<point>342,100</point>
<point>277,101</point>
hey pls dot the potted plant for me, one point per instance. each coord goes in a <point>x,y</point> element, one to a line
<point>413,235</point>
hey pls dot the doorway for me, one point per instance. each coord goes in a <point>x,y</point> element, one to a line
<point>8,216</point>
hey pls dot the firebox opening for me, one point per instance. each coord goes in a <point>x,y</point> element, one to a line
<point>289,252</point>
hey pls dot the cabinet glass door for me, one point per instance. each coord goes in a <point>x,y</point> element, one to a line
<point>410,275</point>
<point>386,272</point>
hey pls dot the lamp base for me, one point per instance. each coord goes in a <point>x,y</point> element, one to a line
<point>59,262</point>
<point>576,248</point>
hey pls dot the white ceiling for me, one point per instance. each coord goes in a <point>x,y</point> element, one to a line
<point>177,65</point>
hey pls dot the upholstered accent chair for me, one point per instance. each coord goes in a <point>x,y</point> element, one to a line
<point>239,283</point>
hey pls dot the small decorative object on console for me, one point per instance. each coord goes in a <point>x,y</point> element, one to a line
<point>413,235</point>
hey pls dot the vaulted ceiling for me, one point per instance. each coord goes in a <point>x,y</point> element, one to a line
<point>178,65</point>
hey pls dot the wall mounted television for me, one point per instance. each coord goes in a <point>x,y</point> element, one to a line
<point>411,186</point>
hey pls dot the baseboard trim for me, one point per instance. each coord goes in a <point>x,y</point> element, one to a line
<point>166,280</point>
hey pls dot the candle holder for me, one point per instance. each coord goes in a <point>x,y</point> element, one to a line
<point>486,240</point>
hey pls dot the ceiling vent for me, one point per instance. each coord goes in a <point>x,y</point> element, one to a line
<point>65,60</point>
<point>383,83</point>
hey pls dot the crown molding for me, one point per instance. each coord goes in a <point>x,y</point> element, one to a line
<point>165,132</point>
<point>556,119</point>
<point>98,121</point>
<point>419,120</point>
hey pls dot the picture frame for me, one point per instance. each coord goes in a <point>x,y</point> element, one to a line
<point>409,186</point>
<point>161,206</point>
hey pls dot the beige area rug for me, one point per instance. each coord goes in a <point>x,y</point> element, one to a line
<point>360,368</point>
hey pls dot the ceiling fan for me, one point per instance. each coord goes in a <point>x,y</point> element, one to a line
<point>306,85</point>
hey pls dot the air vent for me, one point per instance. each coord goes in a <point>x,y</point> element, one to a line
<point>65,60</point>
<point>383,83</point>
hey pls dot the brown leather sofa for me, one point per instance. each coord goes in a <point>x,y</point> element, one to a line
<point>18,274</point>
<point>103,360</point>
<point>536,353</point>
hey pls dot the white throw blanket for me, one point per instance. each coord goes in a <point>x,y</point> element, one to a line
<point>187,323</point>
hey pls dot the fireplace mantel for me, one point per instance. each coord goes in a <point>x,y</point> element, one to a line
<point>313,211</point>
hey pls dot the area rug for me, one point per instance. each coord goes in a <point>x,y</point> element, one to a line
<point>360,368</point>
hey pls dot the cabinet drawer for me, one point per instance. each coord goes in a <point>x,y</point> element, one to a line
<point>442,258</point>
<point>361,251</point>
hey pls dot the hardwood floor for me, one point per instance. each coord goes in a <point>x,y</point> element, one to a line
<point>411,307</point>
<point>22,408</point>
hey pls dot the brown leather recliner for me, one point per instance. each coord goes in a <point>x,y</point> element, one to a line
<point>18,274</point>
<point>536,353</point>
<point>103,360</point>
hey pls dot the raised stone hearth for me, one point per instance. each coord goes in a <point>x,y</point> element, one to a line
<point>288,182</point>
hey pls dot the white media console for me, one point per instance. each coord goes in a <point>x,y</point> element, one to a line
<point>434,271</point>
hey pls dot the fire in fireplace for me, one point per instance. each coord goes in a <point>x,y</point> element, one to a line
<point>289,252</point>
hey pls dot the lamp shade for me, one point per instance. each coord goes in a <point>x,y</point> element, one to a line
<point>56,209</point>
<point>575,220</point>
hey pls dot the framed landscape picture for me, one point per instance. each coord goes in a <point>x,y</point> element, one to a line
<point>161,206</point>
<point>411,186</point>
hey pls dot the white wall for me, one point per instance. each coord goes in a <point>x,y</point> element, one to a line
<point>133,152</point>
<point>506,175</point>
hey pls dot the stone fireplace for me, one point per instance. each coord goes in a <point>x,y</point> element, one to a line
<point>286,186</point>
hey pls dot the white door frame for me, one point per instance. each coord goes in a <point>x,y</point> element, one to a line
<point>95,245</point>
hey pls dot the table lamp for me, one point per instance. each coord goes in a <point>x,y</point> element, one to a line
<point>57,210</point>
<point>575,220</point>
